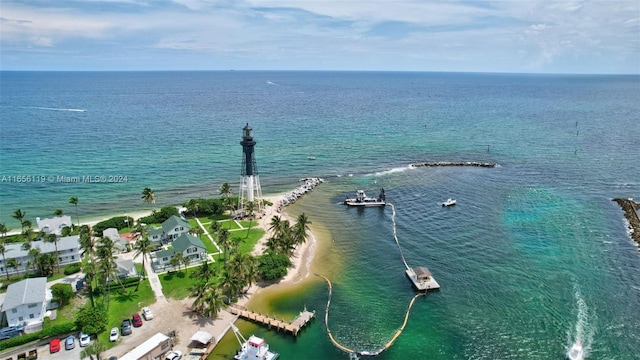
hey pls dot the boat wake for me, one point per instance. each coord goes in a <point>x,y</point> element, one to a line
<point>54,109</point>
<point>584,329</point>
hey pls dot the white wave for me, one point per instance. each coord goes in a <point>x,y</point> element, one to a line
<point>269,82</point>
<point>584,329</point>
<point>392,171</point>
<point>55,109</point>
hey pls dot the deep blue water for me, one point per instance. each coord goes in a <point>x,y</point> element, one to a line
<point>534,255</point>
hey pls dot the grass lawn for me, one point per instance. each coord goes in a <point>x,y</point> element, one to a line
<point>124,305</point>
<point>211,249</point>
<point>229,225</point>
<point>246,246</point>
<point>176,284</point>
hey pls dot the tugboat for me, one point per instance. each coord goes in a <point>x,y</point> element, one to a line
<point>361,199</point>
<point>255,348</point>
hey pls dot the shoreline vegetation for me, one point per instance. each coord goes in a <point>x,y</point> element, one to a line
<point>630,209</point>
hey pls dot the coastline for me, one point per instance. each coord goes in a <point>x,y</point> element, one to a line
<point>630,209</point>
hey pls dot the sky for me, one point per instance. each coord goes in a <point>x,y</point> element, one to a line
<point>522,36</point>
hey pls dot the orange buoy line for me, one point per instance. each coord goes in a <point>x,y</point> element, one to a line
<point>369,353</point>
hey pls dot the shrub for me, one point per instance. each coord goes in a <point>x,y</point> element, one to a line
<point>273,266</point>
<point>158,217</point>
<point>62,292</point>
<point>205,207</point>
<point>118,222</point>
<point>72,268</point>
<point>56,330</point>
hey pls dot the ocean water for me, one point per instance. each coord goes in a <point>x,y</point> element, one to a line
<point>534,256</point>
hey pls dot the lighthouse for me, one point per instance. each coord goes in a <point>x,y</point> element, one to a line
<point>250,191</point>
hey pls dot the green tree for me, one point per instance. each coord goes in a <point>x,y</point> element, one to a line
<point>58,212</point>
<point>62,292</point>
<point>4,230</point>
<point>224,241</point>
<point>92,320</point>
<point>95,348</point>
<point>13,263</point>
<point>205,271</point>
<point>251,208</point>
<point>300,234</point>
<point>214,300</point>
<point>226,192</point>
<point>186,261</point>
<point>148,196</point>
<point>74,201</point>
<point>107,266</point>
<point>176,260</point>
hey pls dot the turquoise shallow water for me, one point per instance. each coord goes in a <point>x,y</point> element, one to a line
<point>534,255</point>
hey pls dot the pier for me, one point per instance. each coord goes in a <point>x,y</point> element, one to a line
<point>293,327</point>
<point>455,163</point>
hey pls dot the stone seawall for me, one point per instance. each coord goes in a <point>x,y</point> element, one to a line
<point>630,209</point>
<point>455,163</point>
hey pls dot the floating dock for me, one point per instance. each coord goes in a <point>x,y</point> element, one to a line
<point>422,279</point>
<point>293,327</point>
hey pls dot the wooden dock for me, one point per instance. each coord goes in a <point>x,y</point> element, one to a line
<point>293,327</point>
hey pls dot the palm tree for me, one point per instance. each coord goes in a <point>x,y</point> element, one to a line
<point>89,270</point>
<point>19,215</point>
<point>205,271</point>
<point>95,348</point>
<point>223,240</point>
<point>35,256</point>
<point>58,212</point>
<point>26,229</point>
<point>300,229</point>
<point>4,230</point>
<point>198,291</point>
<point>107,265</point>
<point>74,201</point>
<point>142,247</point>
<point>53,238</point>
<point>214,300</point>
<point>148,196</point>
<point>14,263</point>
<point>251,208</point>
<point>186,261</point>
<point>3,250</point>
<point>225,190</point>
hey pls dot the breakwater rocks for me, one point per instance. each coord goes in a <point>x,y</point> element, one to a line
<point>630,209</point>
<point>455,163</point>
<point>307,185</point>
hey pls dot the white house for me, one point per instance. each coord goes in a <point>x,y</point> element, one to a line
<point>190,246</point>
<point>26,302</point>
<point>112,233</point>
<point>171,229</point>
<point>54,225</point>
<point>68,253</point>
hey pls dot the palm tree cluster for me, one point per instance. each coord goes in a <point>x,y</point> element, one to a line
<point>286,237</point>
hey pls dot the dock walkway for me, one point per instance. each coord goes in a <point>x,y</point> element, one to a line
<point>293,327</point>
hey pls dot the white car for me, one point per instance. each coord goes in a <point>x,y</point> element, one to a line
<point>114,334</point>
<point>146,312</point>
<point>85,339</point>
<point>174,355</point>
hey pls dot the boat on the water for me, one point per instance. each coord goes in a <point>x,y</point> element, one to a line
<point>421,278</point>
<point>576,352</point>
<point>254,348</point>
<point>362,199</point>
<point>449,202</point>
<point>311,157</point>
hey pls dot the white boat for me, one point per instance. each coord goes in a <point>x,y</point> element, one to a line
<point>449,202</point>
<point>311,157</point>
<point>576,352</point>
<point>254,348</point>
<point>362,199</point>
<point>422,279</point>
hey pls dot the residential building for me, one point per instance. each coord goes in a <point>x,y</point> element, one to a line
<point>26,303</point>
<point>68,253</point>
<point>126,268</point>
<point>121,243</point>
<point>54,225</point>
<point>188,245</point>
<point>171,229</point>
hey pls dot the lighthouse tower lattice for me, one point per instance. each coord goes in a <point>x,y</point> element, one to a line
<point>250,191</point>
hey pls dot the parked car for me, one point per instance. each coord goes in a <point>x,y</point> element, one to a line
<point>69,343</point>
<point>146,312</point>
<point>54,345</point>
<point>125,328</point>
<point>136,320</point>
<point>85,339</point>
<point>113,335</point>
<point>10,331</point>
<point>174,355</point>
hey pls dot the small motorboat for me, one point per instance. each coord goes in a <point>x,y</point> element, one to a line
<point>576,352</point>
<point>449,202</point>
<point>311,157</point>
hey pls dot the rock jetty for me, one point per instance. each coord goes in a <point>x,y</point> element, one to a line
<point>455,163</point>
<point>307,185</point>
<point>630,209</point>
